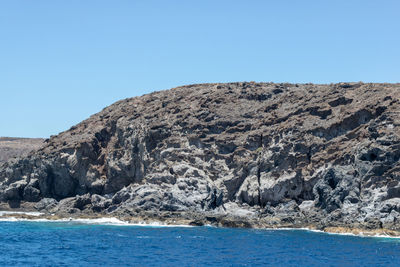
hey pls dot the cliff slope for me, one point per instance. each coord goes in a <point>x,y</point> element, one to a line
<point>237,153</point>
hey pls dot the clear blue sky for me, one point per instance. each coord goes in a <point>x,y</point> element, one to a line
<point>61,61</point>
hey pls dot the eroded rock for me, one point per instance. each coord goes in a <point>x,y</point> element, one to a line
<point>280,153</point>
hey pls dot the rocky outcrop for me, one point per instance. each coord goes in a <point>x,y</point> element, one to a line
<point>251,153</point>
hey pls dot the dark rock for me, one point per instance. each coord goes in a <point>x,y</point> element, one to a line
<point>82,201</point>
<point>100,203</point>
<point>46,203</point>
<point>15,191</point>
<point>337,185</point>
<point>31,194</point>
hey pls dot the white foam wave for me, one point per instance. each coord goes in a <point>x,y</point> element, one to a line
<point>97,221</point>
<point>155,224</point>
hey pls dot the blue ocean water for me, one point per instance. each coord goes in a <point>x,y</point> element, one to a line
<point>77,244</point>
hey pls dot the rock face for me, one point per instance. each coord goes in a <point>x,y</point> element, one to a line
<point>17,147</point>
<point>272,154</point>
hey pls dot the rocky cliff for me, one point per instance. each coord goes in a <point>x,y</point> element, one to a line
<point>236,154</point>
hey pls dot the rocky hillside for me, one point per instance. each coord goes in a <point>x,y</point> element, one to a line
<point>17,147</point>
<point>243,153</point>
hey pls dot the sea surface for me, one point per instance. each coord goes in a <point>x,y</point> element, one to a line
<point>25,243</point>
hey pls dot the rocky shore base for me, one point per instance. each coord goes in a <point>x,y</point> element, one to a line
<point>27,211</point>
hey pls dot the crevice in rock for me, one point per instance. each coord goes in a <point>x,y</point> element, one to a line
<point>317,111</point>
<point>349,123</point>
<point>271,108</point>
<point>259,183</point>
<point>340,101</point>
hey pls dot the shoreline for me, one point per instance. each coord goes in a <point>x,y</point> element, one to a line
<point>34,216</point>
